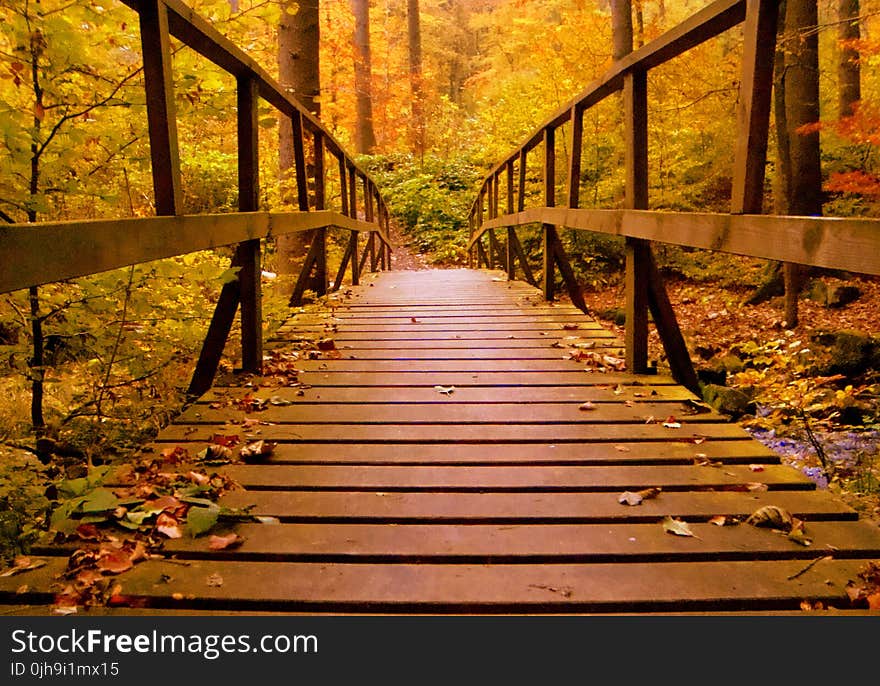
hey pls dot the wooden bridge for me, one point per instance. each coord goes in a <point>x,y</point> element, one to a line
<point>460,442</point>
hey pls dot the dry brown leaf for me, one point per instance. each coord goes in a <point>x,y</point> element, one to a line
<point>585,407</point>
<point>231,540</point>
<point>677,527</point>
<point>115,562</point>
<point>773,517</point>
<point>256,451</point>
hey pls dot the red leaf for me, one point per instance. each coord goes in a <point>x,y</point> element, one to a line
<point>115,562</point>
<point>223,542</point>
<point>227,441</point>
<point>167,525</point>
<point>88,532</point>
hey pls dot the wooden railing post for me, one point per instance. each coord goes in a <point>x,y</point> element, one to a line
<point>753,116</point>
<point>511,232</point>
<point>574,167</point>
<point>161,117</point>
<point>549,230</point>
<point>320,203</point>
<point>246,288</point>
<point>352,212</point>
<point>248,253</point>
<point>635,94</point>
<point>299,163</point>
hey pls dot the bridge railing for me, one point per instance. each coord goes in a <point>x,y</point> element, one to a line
<point>39,253</point>
<point>848,244</point>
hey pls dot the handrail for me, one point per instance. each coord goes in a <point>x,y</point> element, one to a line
<point>850,244</point>
<point>88,247</point>
<point>81,248</point>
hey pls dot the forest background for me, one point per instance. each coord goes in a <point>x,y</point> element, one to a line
<point>442,91</point>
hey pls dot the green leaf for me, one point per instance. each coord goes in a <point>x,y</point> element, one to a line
<point>200,520</point>
<point>71,488</point>
<point>100,500</point>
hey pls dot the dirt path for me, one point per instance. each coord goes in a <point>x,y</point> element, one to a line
<point>405,256</point>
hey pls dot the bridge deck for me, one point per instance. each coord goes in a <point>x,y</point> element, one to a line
<point>497,495</point>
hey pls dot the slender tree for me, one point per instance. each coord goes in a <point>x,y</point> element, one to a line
<point>415,76</point>
<point>299,40</point>
<point>848,69</point>
<point>365,137</point>
<point>621,28</point>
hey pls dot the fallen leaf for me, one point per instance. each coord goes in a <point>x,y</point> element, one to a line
<point>228,441</point>
<point>257,451</point>
<point>88,532</point>
<point>23,564</point>
<point>232,540</point>
<point>756,467</point>
<point>755,486</point>
<point>587,406</point>
<point>445,390</point>
<point>621,448</point>
<point>215,580</point>
<point>115,562</point>
<point>874,601</point>
<point>677,527</point>
<point>631,498</point>
<point>718,520</point>
<point>771,516</point>
<point>326,344</point>
<point>168,526</point>
<point>672,423</point>
<point>570,327</point>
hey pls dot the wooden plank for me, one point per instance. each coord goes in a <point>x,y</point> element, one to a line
<point>467,433</point>
<point>832,242</point>
<point>435,366</point>
<point>527,543</point>
<point>611,478</point>
<point>544,352</point>
<point>449,413</point>
<point>626,452</point>
<point>593,508</point>
<point>617,587</point>
<point>501,379</point>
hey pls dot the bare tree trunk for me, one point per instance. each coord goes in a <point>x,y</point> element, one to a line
<point>621,28</point>
<point>801,107</point>
<point>365,136</point>
<point>848,69</point>
<point>415,77</point>
<point>299,40</point>
<point>640,23</point>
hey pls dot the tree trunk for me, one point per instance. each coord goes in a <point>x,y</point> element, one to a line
<point>365,137</point>
<point>621,28</point>
<point>848,69</point>
<point>415,77</point>
<point>801,107</point>
<point>640,23</point>
<point>299,41</point>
